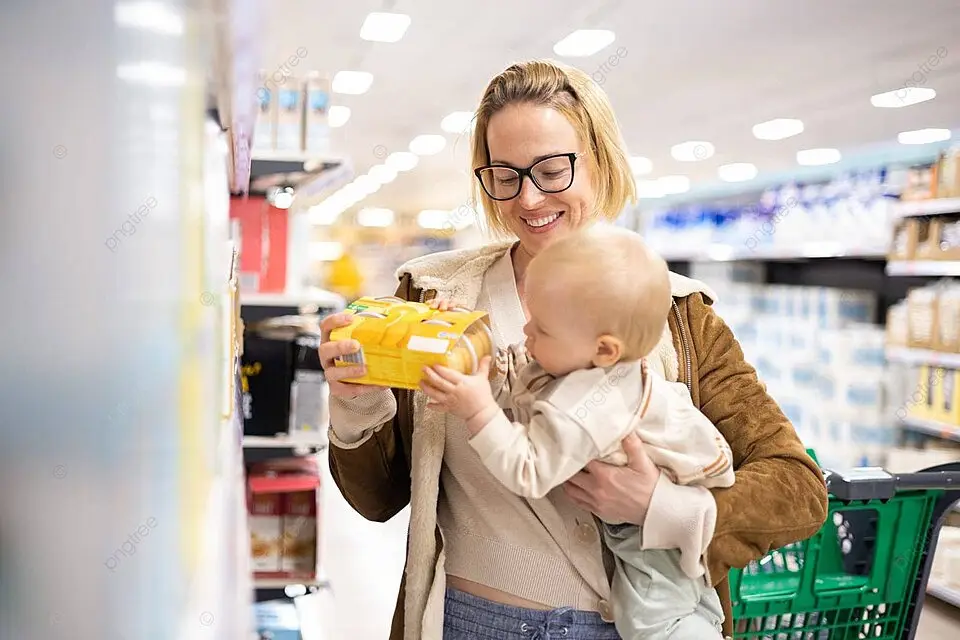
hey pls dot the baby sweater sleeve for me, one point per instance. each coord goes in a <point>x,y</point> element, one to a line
<point>559,438</point>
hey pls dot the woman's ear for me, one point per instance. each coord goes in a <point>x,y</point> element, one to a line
<point>609,351</point>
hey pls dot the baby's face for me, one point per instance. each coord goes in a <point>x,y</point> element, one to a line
<point>558,338</point>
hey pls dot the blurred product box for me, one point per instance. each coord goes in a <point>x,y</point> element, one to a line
<point>283,383</point>
<point>924,398</point>
<point>947,174</point>
<point>922,317</point>
<point>921,183</point>
<point>286,491</point>
<point>299,547</point>
<point>266,528</point>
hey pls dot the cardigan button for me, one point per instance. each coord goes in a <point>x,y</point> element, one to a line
<point>606,610</point>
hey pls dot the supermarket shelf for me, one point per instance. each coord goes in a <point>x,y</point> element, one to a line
<point>280,442</point>
<point>923,268</point>
<point>933,428</point>
<point>944,593</point>
<point>807,251</point>
<point>923,356</point>
<point>283,583</point>
<point>928,207</point>
<point>306,298</point>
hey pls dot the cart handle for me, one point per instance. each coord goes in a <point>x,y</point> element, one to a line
<point>873,483</point>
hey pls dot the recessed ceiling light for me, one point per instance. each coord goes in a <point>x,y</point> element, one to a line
<point>433,219</point>
<point>692,151</point>
<point>384,27</point>
<point>640,166</point>
<point>649,189</point>
<point>457,122</point>
<point>352,83</point>
<point>402,160</point>
<point>382,173</point>
<point>366,185</point>
<point>326,212</point>
<point>375,217</point>
<point>778,129</point>
<point>903,97</point>
<point>584,42</point>
<point>737,172</point>
<point>428,144</point>
<point>817,157</point>
<point>149,16</point>
<point>670,185</point>
<point>337,116</point>
<point>159,74</point>
<point>923,136</point>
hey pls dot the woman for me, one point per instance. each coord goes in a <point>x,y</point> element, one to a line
<point>482,562</point>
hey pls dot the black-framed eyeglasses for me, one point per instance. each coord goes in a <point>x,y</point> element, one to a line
<point>552,174</point>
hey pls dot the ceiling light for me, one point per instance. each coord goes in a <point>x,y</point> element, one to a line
<point>366,185</point>
<point>640,166</point>
<point>670,185</point>
<point>337,116</point>
<point>352,82</point>
<point>433,219</point>
<point>778,129</point>
<point>350,195</point>
<point>148,16</point>
<point>384,27</point>
<point>902,97</point>
<point>817,157</point>
<point>158,74</point>
<point>402,160</point>
<point>737,172</point>
<point>375,217</point>
<point>383,174</point>
<point>923,136</point>
<point>325,251</point>
<point>584,42</point>
<point>325,213</point>
<point>692,151</point>
<point>428,144</point>
<point>457,122</point>
<point>649,189</point>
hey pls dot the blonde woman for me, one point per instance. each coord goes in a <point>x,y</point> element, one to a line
<point>483,562</point>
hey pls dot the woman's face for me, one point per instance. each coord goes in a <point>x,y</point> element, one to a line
<point>520,135</point>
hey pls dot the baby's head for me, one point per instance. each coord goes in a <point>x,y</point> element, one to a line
<point>596,297</point>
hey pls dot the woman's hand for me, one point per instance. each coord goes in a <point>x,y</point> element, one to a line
<point>332,350</point>
<point>617,494</point>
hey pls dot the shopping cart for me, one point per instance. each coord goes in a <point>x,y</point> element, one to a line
<point>863,575</point>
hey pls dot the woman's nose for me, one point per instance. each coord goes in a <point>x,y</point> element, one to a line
<point>530,197</point>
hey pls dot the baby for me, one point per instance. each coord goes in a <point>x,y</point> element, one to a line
<point>587,386</point>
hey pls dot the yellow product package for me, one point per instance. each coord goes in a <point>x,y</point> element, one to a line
<point>399,338</point>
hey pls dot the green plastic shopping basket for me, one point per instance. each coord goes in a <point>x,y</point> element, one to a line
<point>863,575</point>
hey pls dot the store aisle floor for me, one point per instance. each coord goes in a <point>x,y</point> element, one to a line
<point>364,560</point>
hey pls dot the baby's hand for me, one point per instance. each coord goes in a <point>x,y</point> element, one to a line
<point>465,396</point>
<point>441,305</point>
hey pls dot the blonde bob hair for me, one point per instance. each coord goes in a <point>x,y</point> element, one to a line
<point>573,93</point>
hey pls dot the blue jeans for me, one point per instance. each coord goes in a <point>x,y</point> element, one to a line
<point>467,617</point>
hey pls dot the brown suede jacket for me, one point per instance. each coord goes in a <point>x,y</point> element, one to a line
<point>779,496</point>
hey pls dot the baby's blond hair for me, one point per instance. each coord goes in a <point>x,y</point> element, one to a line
<point>613,279</point>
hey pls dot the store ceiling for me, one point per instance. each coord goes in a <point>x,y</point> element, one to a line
<point>692,70</point>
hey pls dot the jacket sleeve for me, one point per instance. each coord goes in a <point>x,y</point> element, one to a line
<point>779,495</point>
<point>371,467</point>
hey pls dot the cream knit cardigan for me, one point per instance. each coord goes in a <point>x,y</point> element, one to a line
<point>457,276</point>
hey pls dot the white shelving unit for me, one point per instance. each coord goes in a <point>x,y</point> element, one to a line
<point>936,206</point>
<point>944,593</point>
<point>923,268</point>
<point>906,355</point>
